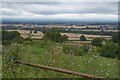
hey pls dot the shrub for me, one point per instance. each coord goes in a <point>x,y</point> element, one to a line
<point>85,48</point>
<point>82,38</point>
<point>109,50</point>
<point>97,42</point>
<point>28,39</point>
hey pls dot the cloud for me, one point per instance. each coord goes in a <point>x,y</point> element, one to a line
<point>60,0</point>
<point>9,12</point>
<point>61,10</point>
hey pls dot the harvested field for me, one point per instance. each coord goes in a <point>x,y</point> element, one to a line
<point>72,36</point>
<point>25,34</point>
<point>104,30</point>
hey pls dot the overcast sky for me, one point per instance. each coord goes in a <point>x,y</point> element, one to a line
<point>94,11</point>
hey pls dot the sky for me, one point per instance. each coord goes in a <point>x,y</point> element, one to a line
<point>60,10</point>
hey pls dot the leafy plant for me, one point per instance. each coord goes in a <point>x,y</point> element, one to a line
<point>109,50</point>
<point>97,42</point>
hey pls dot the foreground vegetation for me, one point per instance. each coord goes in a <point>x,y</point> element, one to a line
<point>51,54</point>
<point>86,58</point>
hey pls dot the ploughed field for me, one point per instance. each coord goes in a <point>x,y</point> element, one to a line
<point>52,54</point>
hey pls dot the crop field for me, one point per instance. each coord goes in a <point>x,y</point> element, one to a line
<point>104,30</point>
<point>51,54</point>
<point>25,34</point>
<point>72,36</point>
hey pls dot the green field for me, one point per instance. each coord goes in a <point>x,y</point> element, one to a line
<point>51,54</point>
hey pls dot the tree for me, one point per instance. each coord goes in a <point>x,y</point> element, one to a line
<point>9,37</point>
<point>30,31</point>
<point>55,36</point>
<point>18,39</point>
<point>116,38</point>
<point>82,38</point>
<point>64,38</point>
<point>109,50</point>
<point>43,30</point>
<point>97,42</point>
<point>72,28</point>
<point>35,31</point>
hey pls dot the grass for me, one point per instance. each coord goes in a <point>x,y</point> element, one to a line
<point>0,66</point>
<point>51,54</point>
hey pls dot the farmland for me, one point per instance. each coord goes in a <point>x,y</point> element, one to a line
<point>60,40</point>
<point>72,36</point>
<point>71,54</point>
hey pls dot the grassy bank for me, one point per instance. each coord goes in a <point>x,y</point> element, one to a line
<point>51,54</point>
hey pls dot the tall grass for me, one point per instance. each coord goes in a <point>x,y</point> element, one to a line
<point>51,54</point>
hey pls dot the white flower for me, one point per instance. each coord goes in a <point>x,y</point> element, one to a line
<point>90,58</point>
<point>53,61</point>
<point>107,74</point>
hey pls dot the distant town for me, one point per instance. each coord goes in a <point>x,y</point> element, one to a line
<point>65,27</point>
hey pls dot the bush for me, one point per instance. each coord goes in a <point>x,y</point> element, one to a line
<point>97,42</point>
<point>109,50</point>
<point>28,39</point>
<point>85,48</point>
<point>82,38</point>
